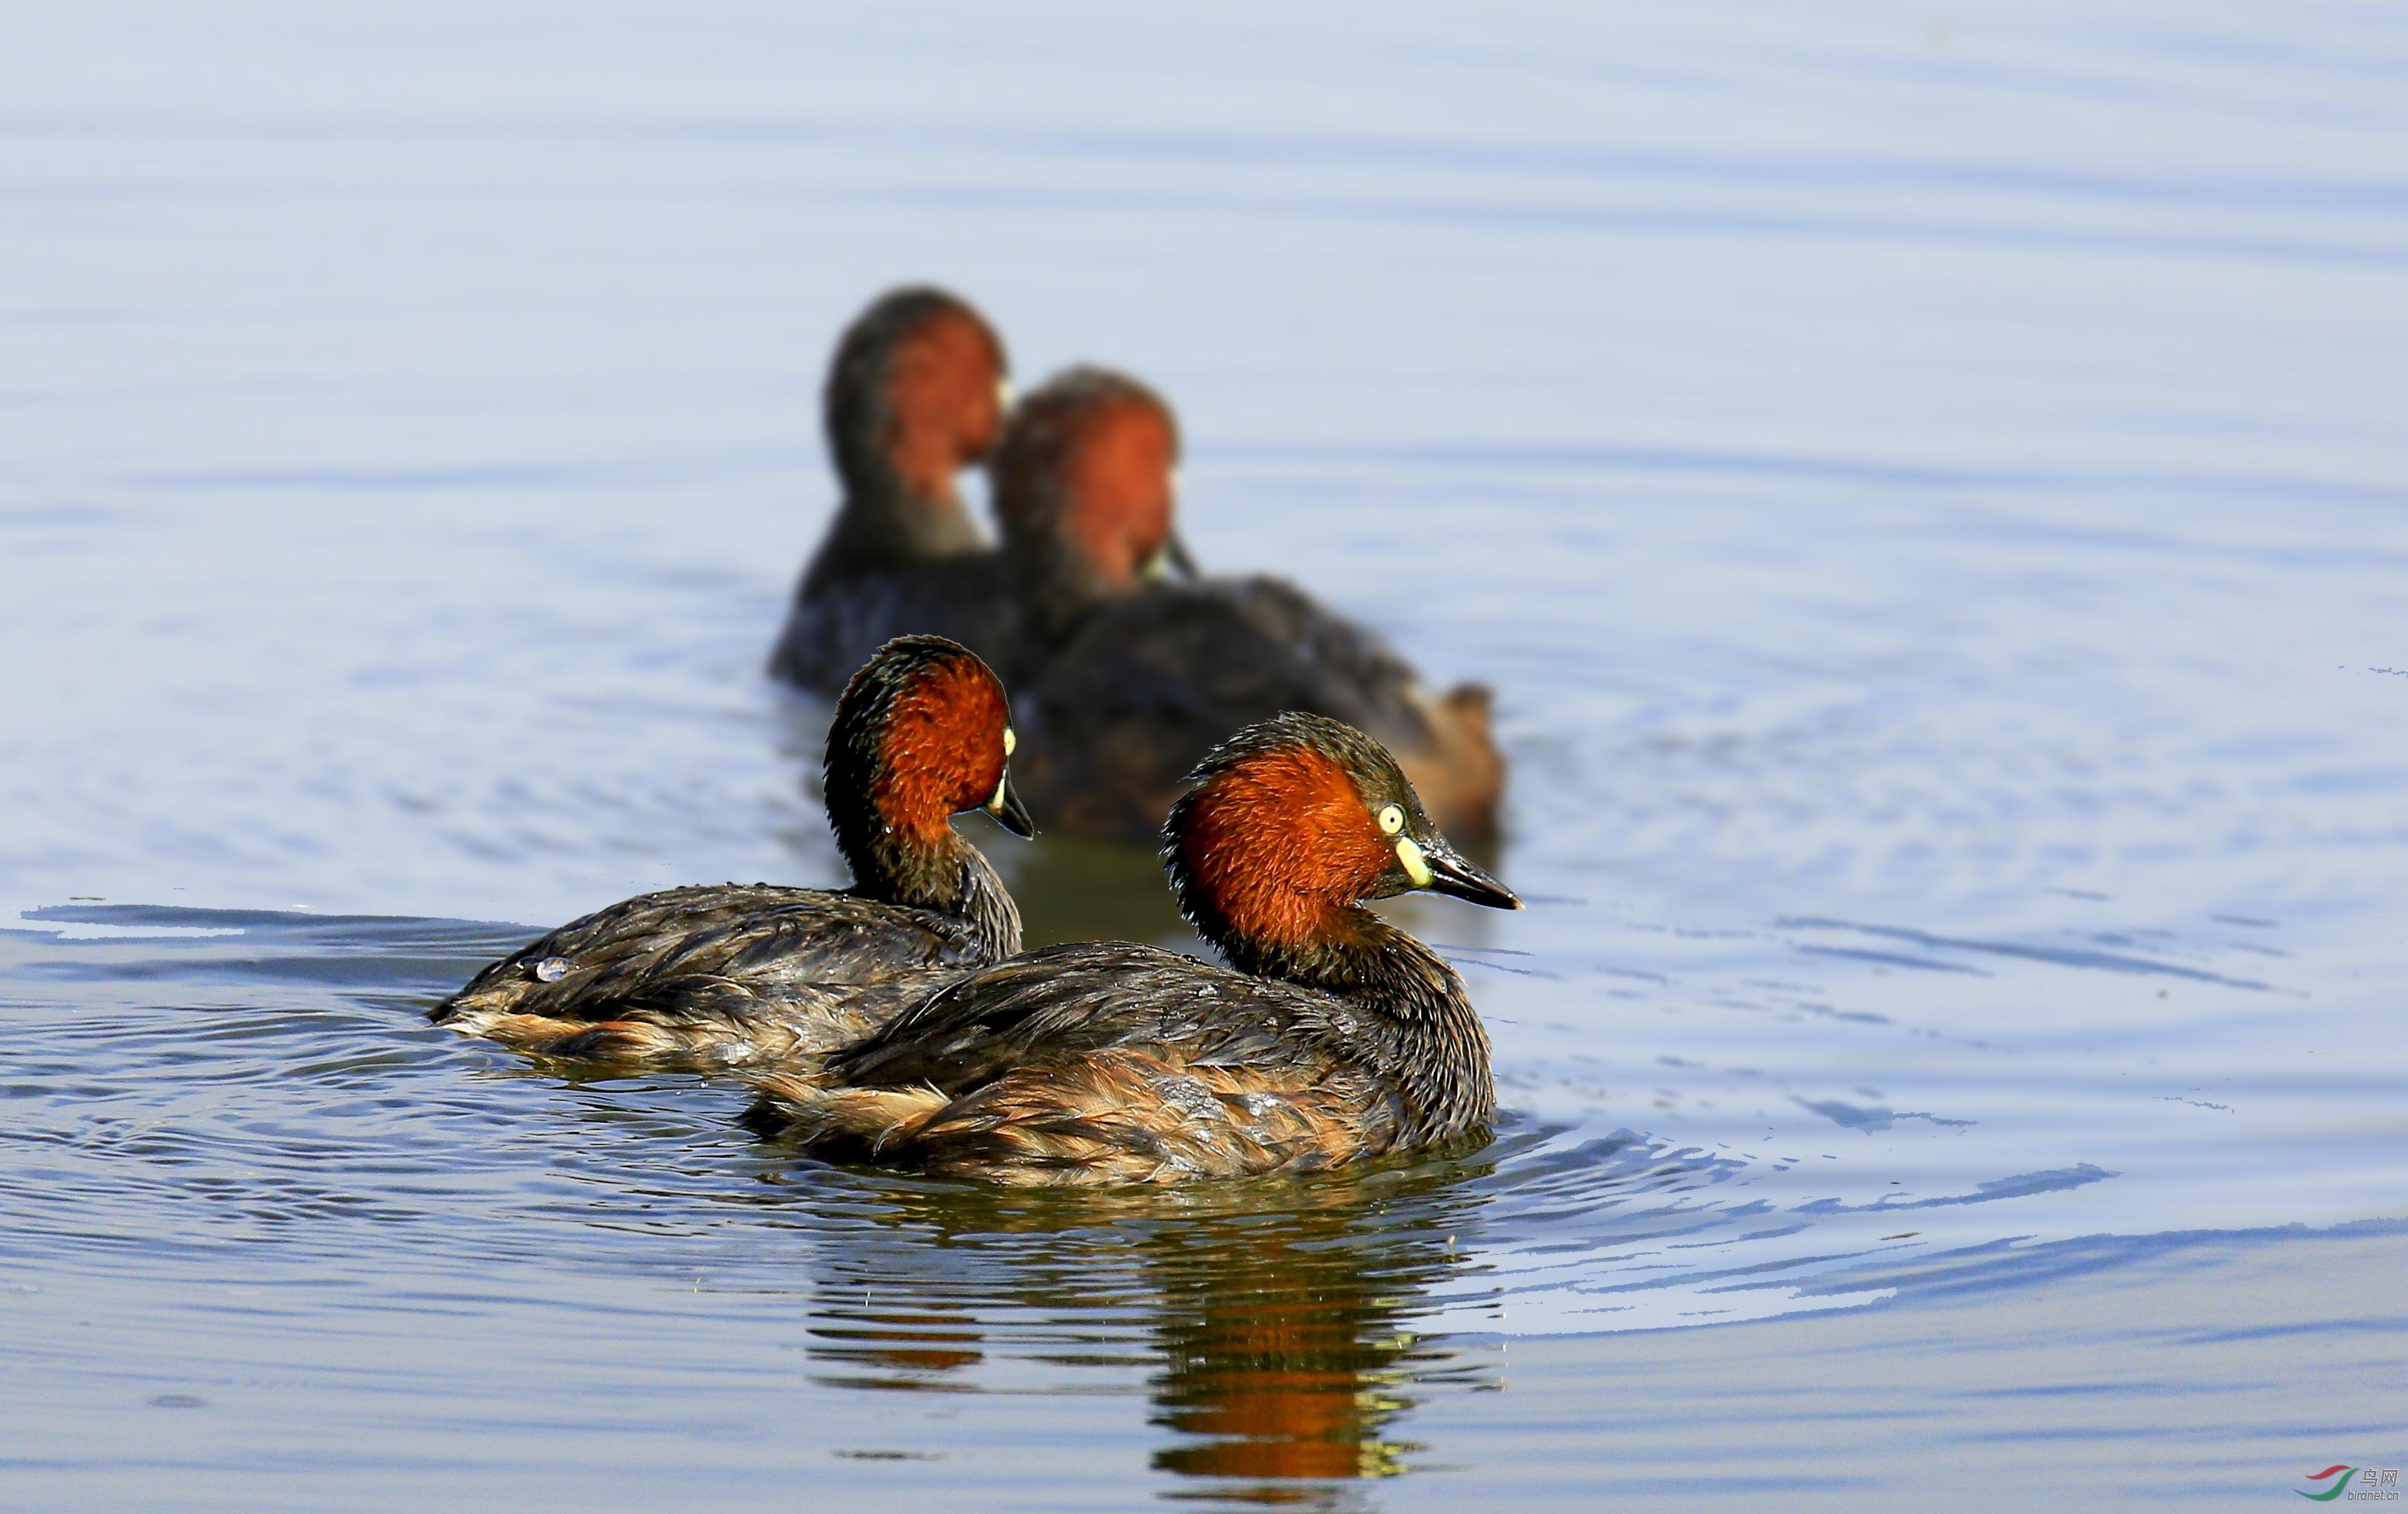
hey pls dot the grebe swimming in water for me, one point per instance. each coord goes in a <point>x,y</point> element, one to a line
<point>1126,677</point>
<point>1332,1035</point>
<point>916,392</point>
<point>727,974</point>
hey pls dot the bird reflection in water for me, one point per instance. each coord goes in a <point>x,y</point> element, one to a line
<point>1285,1358</point>
<point>1273,1319</point>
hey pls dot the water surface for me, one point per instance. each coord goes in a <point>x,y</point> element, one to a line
<point>1928,491</point>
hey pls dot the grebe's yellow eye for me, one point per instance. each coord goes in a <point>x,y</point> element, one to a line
<point>1392,821</point>
<point>1010,740</point>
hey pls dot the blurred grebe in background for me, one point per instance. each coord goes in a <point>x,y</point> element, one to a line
<point>1126,676</point>
<point>916,392</point>
<point>1331,1035</point>
<point>727,974</point>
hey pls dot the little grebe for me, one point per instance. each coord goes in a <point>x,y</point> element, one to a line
<point>916,392</point>
<point>1125,678</point>
<point>1332,1035</point>
<point>724,974</point>
<point>1085,491</point>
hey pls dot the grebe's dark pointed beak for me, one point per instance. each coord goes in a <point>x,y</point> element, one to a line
<point>1169,560</point>
<point>1008,812</point>
<point>1435,866</point>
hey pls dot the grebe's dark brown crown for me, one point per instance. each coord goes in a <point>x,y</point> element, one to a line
<point>923,733</point>
<point>915,393</point>
<point>1288,827</point>
<point>1084,483</point>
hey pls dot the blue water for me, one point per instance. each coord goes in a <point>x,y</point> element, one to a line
<point>1926,486</point>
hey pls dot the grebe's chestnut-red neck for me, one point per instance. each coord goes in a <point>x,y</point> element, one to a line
<point>1086,484</point>
<point>923,733</point>
<point>1286,829</point>
<point>917,392</point>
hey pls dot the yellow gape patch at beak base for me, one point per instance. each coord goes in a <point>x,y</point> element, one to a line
<point>1003,782</point>
<point>1416,867</point>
